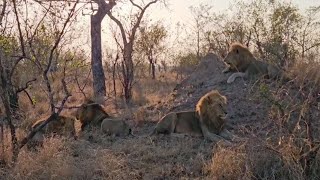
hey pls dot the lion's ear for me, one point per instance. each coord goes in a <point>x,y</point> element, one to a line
<point>224,99</point>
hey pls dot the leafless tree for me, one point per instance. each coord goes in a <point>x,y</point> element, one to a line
<point>26,46</point>
<point>128,44</point>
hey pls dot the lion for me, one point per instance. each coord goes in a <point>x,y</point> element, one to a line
<point>183,122</point>
<point>115,127</point>
<point>61,126</point>
<point>90,113</point>
<point>242,62</point>
<point>206,121</point>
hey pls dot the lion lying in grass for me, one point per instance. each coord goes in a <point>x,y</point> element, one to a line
<point>207,121</point>
<point>242,62</point>
<point>62,126</point>
<point>92,114</point>
<point>115,127</point>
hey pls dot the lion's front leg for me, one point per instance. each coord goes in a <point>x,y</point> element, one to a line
<point>227,135</point>
<point>230,136</point>
<point>234,76</point>
<point>226,70</point>
<point>211,136</point>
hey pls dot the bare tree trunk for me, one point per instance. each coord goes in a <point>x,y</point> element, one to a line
<point>6,103</point>
<point>2,159</point>
<point>5,97</point>
<point>128,72</point>
<point>153,68</point>
<point>99,86</point>
<point>114,79</point>
<point>127,64</point>
<point>198,44</point>
<point>152,64</point>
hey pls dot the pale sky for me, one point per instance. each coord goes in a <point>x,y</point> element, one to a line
<point>181,12</point>
<point>178,12</point>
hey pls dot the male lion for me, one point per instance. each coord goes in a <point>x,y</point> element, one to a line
<point>91,113</point>
<point>115,127</point>
<point>207,121</point>
<point>61,126</point>
<point>242,62</point>
<point>185,122</point>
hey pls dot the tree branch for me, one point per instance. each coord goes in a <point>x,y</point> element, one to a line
<point>29,97</point>
<point>136,25</point>
<point>20,89</point>
<point>3,11</point>
<point>123,32</point>
<point>19,28</point>
<point>85,84</point>
<point>34,131</point>
<point>45,73</point>
<point>136,5</point>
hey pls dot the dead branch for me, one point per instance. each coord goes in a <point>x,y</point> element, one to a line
<point>34,131</point>
<point>52,117</point>
<point>3,10</point>
<point>45,72</point>
<point>29,97</point>
<point>85,84</point>
<point>28,83</point>
<point>54,114</point>
<point>19,28</point>
<point>136,5</point>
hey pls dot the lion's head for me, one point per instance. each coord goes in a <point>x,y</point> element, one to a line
<point>212,110</point>
<point>238,57</point>
<point>91,113</point>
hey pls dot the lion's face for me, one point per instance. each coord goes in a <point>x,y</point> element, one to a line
<point>233,58</point>
<point>85,112</point>
<point>237,56</point>
<point>91,113</point>
<point>219,105</point>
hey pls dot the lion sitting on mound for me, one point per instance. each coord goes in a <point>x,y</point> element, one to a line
<point>207,121</point>
<point>91,113</point>
<point>242,62</point>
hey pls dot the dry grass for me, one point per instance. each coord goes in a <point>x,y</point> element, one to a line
<point>256,160</point>
<point>113,158</point>
<point>96,156</point>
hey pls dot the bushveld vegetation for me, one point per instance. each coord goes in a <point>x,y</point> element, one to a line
<point>152,70</point>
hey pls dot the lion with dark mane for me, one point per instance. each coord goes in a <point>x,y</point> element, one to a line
<point>206,121</point>
<point>242,63</point>
<point>91,113</point>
